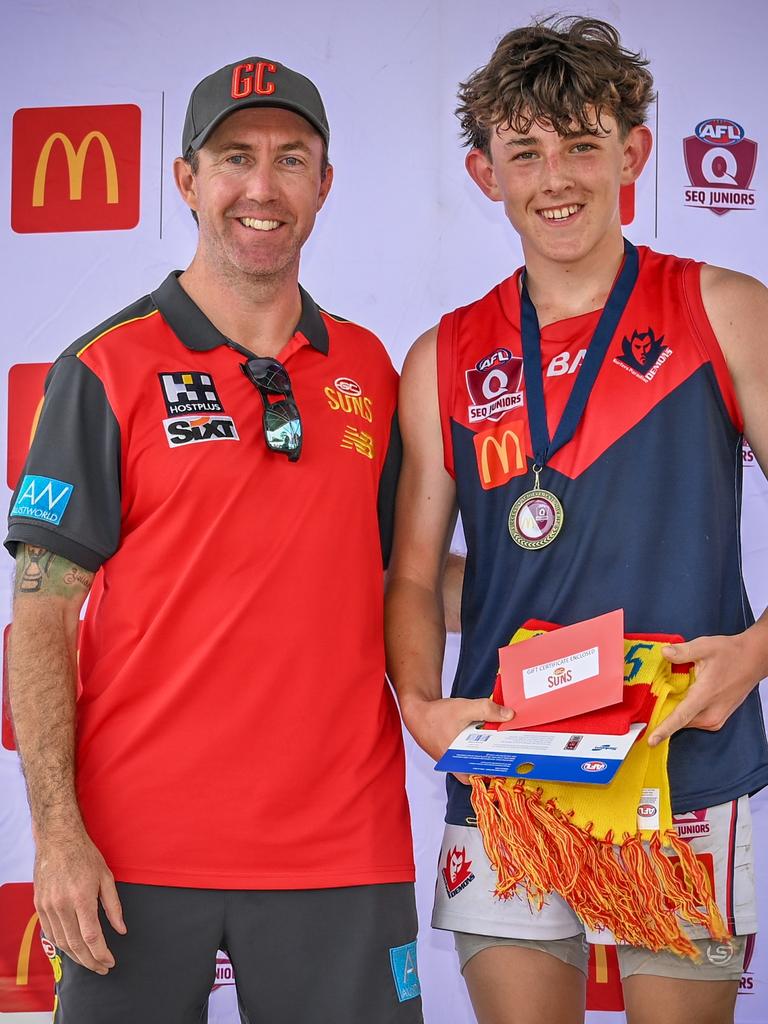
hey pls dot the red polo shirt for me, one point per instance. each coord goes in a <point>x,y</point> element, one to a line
<point>235,728</point>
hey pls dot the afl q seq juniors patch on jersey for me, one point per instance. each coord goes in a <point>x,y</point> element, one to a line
<point>650,484</point>
<point>238,600</point>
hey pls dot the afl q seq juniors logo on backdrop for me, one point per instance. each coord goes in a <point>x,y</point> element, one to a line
<point>720,162</point>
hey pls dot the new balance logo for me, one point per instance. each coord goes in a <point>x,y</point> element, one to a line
<point>359,441</point>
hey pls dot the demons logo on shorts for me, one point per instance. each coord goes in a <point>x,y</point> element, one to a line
<point>456,871</point>
<point>643,354</point>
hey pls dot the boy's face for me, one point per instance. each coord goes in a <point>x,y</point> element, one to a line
<point>561,193</point>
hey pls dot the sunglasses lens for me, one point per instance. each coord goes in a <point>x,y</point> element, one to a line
<point>282,427</point>
<point>269,375</point>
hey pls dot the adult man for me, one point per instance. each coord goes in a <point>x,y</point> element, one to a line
<point>227,469</point>
<point>644,471</point>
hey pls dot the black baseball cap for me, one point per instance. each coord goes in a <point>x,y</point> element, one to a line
<point>251,82</point>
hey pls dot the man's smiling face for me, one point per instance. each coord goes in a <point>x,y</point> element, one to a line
<point>258,186</point>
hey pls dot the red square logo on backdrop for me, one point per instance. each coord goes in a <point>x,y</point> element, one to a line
<point>25,400</point>
<point>76,168</point>
<point>627,203</point>
<point>26,972</point>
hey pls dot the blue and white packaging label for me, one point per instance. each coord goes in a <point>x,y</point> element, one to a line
<point>551,756</point>
<point>42,498</point>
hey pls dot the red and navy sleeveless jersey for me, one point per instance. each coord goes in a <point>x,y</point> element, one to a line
<point>650,485</point>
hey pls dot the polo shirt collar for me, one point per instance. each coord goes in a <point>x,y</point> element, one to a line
<point>195,330</point>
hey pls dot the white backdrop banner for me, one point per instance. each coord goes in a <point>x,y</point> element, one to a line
<point>93,101</point>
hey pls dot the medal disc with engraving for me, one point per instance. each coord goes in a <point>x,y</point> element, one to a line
<point>535,519</point>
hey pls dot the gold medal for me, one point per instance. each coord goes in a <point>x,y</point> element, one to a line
<point>536,518</point>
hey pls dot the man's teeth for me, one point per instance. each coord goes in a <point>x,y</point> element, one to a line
<point>259,225</point>
<point>560,212</point>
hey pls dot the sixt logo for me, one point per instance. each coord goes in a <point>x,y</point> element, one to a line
<point>501,355</point>
<point>43,498</point>
<point>192,430</point>
<point>719,130</point>
<point>593,766</point>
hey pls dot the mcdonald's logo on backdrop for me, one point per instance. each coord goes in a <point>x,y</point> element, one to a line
<point>26,972</point>
<point>76,168</point>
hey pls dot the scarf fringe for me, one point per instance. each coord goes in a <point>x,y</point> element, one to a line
<point>639,894</point>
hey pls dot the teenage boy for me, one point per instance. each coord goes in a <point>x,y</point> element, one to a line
<point>616,383</point>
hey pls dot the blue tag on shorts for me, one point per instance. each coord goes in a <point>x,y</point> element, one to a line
<point>405,971</point>
<point>42,498</point>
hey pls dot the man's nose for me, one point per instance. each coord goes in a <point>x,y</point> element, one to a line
<point>555,175</point>
<point>262,183</point>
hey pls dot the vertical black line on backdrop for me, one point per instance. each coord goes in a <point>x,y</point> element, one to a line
<point>162,156</point>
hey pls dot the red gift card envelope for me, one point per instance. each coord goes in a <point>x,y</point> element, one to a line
<point>565,672</point>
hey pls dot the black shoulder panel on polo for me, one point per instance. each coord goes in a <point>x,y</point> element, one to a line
<point>76,446</point>
<point>195,330</point>
<point>135,311</point>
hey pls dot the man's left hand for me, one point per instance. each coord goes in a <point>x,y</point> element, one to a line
<point>727,668</point>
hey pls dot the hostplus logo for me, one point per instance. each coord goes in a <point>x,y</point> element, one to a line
<point>190,398</point>
<point>720,161</point>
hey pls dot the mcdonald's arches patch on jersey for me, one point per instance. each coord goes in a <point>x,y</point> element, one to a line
<point>76,168</point>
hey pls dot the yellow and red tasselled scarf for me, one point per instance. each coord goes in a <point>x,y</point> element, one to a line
<point>585,841</point>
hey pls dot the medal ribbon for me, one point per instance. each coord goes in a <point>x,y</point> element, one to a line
<point>545,447</point>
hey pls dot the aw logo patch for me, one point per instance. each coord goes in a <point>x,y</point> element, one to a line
<point>643,354</point>
<point>456,871</point>
<point>42,498</point>
<point>405,971</point>
<point>494,385</point>
<point>720,162</point>
<point>189,397</point>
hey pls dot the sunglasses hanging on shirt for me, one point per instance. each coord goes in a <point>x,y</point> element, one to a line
<point>281,420</point>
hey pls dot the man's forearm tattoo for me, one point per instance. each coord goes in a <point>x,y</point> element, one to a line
<point>37,561</point>
<point>39,571</point>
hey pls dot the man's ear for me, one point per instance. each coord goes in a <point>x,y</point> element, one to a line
<point>325,186</point>
<point>185,182</point>
<point>637,148</point>
<point>480,169</point>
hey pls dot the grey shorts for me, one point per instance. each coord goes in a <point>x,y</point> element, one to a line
<point>720,961</point>
<point>465,903</point>
<point>315,955</point>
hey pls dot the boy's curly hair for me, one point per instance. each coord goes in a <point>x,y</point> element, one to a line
<point>567,71</point>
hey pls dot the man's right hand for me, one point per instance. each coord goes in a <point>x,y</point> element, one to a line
<point>71,878</point>
<point>435,724</point>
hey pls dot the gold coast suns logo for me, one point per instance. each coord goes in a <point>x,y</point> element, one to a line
<point>347,396</point>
